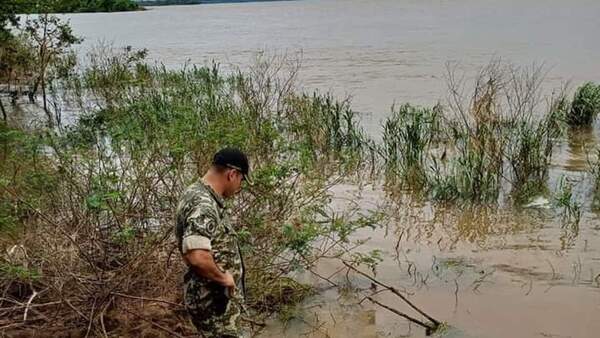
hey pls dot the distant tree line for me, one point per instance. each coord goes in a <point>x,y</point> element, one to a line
<point>65,6</point>
<point>168,2</point>
<point>190,2</point>
<point>74,6</point>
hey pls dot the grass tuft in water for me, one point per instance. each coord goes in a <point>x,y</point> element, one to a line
<point>585,106</point>
<point>408,135</point>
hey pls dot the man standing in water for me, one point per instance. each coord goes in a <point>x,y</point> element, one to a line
<point>213,285</point>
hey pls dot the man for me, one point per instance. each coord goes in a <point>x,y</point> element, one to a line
<point>213,285</point>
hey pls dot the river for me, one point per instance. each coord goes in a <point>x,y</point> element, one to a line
<point>379,52</point>
<point>489,273</point>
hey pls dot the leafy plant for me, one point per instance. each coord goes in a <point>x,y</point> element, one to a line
<point>408,135</point>
<point>585,106</point>
<point>18,272</point>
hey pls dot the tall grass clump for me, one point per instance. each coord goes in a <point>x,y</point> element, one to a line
<point>500,135</point>
<point>532,136</point>
<point>408,135</point>
<point>473,174</point>
<point>333,125</point>
<point>585,106</point>
<point>529,157</point>
<point>532,140</point>
<point>476,131</point>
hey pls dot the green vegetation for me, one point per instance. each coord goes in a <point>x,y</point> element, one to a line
<point>407,138</point>
<point>95,198</point>
<point>8,19</point>
<point>594,171</point>
<point>30,61</point>
<point>191,2</point>
<point>468,150</point>
<point>585,106</point>
<point>8,271</point>
<point>75,6</point>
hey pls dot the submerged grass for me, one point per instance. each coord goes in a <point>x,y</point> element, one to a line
<point>529,157</point>
<point>408,135</point>
<point>495,136</point>
<point>585,106</point>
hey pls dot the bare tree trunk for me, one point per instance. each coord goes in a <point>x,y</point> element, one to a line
<point>45,100</point>
<point>44,60</point>
<point>33,91</point>
<point>4,117</point>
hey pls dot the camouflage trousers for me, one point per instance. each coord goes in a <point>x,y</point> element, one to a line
<point>214,314</point>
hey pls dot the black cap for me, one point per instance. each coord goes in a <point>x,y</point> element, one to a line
<point>235,159</point>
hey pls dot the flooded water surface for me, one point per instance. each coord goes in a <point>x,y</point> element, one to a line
<point>486,271</point>
<point>377,51</point>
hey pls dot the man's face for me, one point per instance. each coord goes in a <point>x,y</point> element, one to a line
<point>233,182</point>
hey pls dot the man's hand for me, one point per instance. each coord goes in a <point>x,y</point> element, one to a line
<point>229,283</point>
<point>203,263</point>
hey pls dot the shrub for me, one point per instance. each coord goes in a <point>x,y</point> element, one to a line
<point>96,198</point>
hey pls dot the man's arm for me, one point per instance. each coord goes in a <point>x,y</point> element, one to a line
<point>197,246</point>
<point>203,263</point>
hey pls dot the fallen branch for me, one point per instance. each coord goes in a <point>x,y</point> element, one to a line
<point>404,315</point>
<point>396,292</point>
<point>146,299</point>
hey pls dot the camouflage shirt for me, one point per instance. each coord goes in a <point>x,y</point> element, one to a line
<point>204,223</point>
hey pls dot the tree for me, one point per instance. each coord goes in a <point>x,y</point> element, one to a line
<point>8,18</point>
<point>50,38</point>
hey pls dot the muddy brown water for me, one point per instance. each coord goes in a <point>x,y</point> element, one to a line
<point>488,272</point>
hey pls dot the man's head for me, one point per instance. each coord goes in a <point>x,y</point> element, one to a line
<point>229,168</point>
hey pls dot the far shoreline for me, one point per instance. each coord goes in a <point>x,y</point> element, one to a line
<point>162,3</point>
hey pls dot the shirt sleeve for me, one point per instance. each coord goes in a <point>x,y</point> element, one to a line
<point>200,229</point>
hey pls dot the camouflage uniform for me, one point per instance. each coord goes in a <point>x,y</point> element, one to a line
<point>202,223</point>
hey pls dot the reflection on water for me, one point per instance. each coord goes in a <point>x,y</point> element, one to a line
<point>579,143</point>
<point>488,272</point>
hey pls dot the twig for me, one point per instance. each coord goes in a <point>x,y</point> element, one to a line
<point>401,314</point>
<point>102,318</point>
<point>253,322</point>
<point>394,291</point>
<point>146,299</point>
<point>91,319</point>
<point>35,293</point>
<point>75,309</point>
<point>32,306</point>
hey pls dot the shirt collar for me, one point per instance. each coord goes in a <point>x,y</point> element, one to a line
<point>214,194</point>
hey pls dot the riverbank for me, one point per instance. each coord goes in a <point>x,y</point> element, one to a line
<point>195,2</point>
